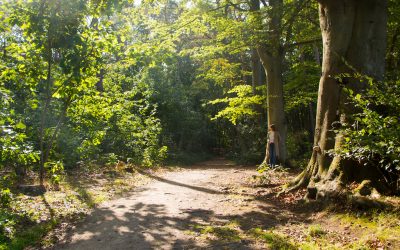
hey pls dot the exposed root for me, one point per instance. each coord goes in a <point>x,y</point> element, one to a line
<point>303,179</point>
<point>299,182</point>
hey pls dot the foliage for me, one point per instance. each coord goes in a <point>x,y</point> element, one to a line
<point>301,87</point>
<point>55,171</point>
<point>105,82</point>
<point>239,106</point>
<point>393,41</point>
<point>67,98</point>
<point>7,223</point>
<point>298,148</point>
<point>5,197</point>
<point>372,135</point>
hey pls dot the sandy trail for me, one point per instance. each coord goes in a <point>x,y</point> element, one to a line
<point>161,214</point>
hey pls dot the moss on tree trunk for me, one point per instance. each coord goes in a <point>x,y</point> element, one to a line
<point>354,41</point>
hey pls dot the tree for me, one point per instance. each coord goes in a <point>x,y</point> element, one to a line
<point>243,31</point>
<point>354,41</point>
<point>273,31</point>
<point>62,42</point>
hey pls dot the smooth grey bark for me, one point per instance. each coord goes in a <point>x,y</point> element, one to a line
<point>256,78</point>
<point>275,101</point>
<point>272,55</point>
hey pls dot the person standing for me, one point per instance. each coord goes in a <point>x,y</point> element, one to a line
<point>273,145</point>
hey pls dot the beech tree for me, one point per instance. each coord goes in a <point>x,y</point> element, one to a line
<point>274,36</point>
<point>354,41</point>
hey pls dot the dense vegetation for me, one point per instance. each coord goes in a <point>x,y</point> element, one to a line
<point>150,82</point>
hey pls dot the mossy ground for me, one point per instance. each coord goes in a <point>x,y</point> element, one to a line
<point>378,230</point>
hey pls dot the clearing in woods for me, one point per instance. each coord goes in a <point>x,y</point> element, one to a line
<point>213,205</point>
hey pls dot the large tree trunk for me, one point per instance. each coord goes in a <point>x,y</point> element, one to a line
<point>271,54</point>
<point>256,76</point>
<point>257,80</point>
<point>276,112</point>
<point>354,40</point>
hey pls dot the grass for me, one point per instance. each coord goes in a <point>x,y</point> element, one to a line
<point>34,217</point>
<point>375,227</point>
<point>315,231</point>
<point>373,230</point>
<point>30,236</point>
<point>222,233</point>
<point>229,232</point>
<point>273,240</point>
<point>377,230</point>
<point>355,230</point>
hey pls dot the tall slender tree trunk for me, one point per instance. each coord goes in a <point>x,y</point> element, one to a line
<point>43,115</point>
<point>272,55</point>
<point>276,112</point>
<point>354,40</point>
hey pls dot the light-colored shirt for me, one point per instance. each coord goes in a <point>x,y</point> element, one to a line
<point>271,137</point>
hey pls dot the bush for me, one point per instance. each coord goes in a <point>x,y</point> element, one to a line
<point>7,223</point>
<point>5,197</point>
<point>372,134</point>
<point>55,171</point>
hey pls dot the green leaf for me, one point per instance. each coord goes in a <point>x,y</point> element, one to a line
<point>20,125</point>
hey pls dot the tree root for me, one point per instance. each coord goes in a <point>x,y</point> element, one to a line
<point>331,184</point>
<point>303,179</point>
<point>299,182</point>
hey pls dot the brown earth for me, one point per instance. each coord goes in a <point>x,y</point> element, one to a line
<point>182,209</point>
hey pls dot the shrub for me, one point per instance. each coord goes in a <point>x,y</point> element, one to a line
<point>372,134</point>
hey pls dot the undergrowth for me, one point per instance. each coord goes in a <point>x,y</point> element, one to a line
<point>27,218</point>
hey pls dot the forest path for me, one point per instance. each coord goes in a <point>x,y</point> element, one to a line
<point>175,209</point>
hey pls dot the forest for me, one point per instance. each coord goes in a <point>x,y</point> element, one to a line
<point>100,98</point>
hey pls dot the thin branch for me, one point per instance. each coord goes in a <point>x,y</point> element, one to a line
<point>302,43</point>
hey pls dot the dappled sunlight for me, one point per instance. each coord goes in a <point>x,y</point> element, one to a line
<point>147,226</point>
<point>205,124</point>
<point>187,208</point>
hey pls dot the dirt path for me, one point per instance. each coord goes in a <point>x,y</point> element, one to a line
<point>176,209</point>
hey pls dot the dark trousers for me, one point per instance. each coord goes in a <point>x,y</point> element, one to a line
<point>272,154</point>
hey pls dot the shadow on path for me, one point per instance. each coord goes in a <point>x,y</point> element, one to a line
<point>150,219</point>
<point>161,179</point>
<point>149,226</point>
